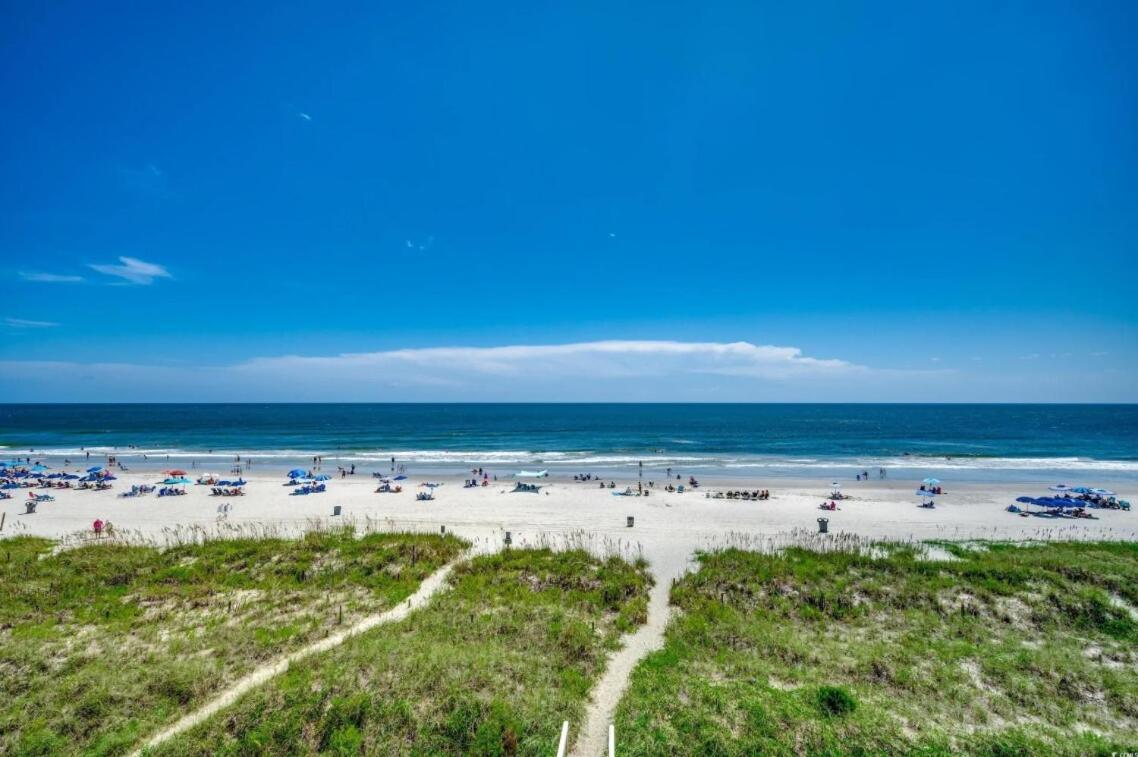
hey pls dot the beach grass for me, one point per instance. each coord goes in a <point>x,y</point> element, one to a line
<point>999,649</point>
<point>102,644</point>
<point>491,666</point>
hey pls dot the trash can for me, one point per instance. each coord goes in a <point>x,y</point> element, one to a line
<point>823,525</point>
<point>443,530</point>
<point>631,520</point>
<point>336,510</point>
<point>508,541</point>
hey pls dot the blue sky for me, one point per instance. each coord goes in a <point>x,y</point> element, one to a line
<point>914,202</point>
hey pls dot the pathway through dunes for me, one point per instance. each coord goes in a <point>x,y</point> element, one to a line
<point>429,587</point>
<point>668,564</point>
<point>593,738</point>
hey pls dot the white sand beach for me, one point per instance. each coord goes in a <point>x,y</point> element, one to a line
<point>668,527</point>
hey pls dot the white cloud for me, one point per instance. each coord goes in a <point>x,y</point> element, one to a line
<point>612,359</point>
<point>48,277</point>
<point>23,323</point>
<point>304,116</point>
<point>420,246</point>
<point>585,371</point>
<point>133,270</point>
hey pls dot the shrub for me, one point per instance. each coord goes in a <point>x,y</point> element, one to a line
<point>835,701</point>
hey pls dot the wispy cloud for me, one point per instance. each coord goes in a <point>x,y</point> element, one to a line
<point>1030,356</point>
<point>303,116</point>
<point>24,323</point>
<point>133,270</point>
<point>149,181</point>
<point>49,277</point>
<point>411,244</point>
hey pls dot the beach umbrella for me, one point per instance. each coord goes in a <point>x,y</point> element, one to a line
<point>297,473</point>
<point>1102,492</point>
<point>1081,490</point>
<point>177,480</point>
<point>835,485</point>
<point>175,472</point>
<point>1026,500</point>
<point>399,478</point>
<point>931,481</point>
<point>95,469</point>
<point>38,468</point>
<point>1060,488</point>
<point>323,477</point>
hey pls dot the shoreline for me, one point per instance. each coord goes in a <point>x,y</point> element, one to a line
<point>734,470</point>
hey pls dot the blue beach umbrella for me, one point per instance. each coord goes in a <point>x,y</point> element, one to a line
<point>931,481</point>
<point>297,473</point>
<point>95,469</point>
<point>399,478</point>
<point>1081,490</point>
<point>323,477</point>
<point>38,468</point>
<point>1060,488</point>
<point>1026,500</point>
<point>1102,492</point>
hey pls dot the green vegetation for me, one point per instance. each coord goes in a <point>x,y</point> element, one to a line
<point>1002,650</point>
<point>491,666</point>
<point>101,645</point>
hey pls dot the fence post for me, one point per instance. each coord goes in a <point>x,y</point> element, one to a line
<point>564,739</point>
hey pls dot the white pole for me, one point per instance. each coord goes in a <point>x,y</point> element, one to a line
<point>564,739</point>
<point>612,740</point>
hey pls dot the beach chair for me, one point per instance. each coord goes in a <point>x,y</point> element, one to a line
<point>30,507</point>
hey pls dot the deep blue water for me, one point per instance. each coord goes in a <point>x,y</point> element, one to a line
<point>1101,440</point>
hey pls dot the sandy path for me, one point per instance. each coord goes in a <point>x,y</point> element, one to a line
<point>430,586</point>
<point>593,739</point>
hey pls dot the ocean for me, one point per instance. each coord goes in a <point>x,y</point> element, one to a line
<point>1072,443</point>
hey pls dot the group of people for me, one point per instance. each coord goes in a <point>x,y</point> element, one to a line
<point>757,494</point>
